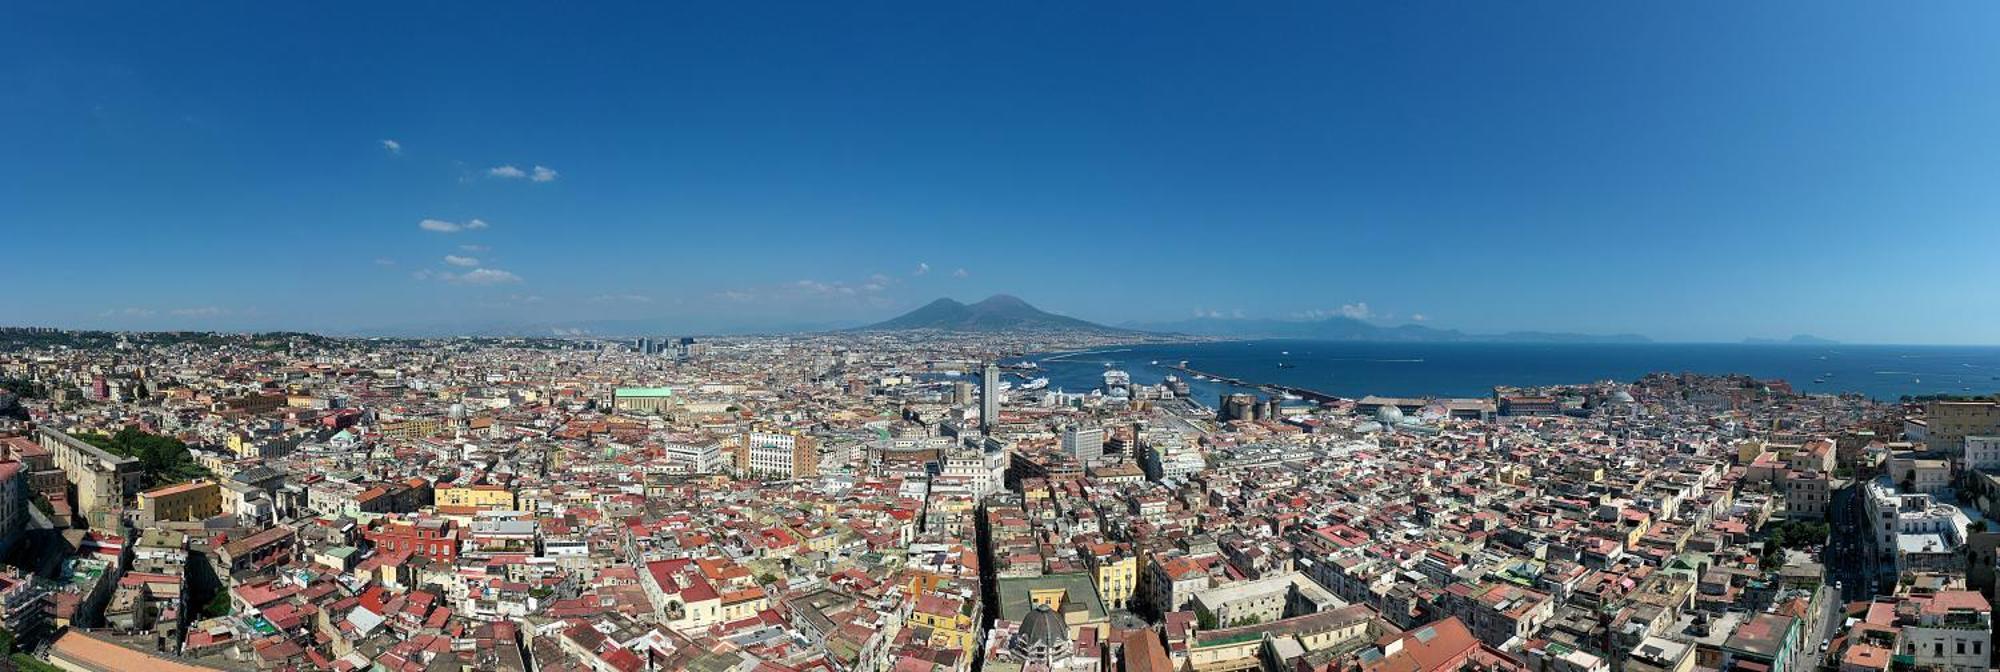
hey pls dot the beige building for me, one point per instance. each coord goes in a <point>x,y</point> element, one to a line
<point>196,500</point>
<point>103,481</point>
<point>1949,422</point>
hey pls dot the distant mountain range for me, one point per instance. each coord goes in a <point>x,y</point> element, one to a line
<point>1006,313</point>
<point>1801,339</point>
<point>1340,328</point>
<point>999,312</point>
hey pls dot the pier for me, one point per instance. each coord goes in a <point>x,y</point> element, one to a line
<point>1312,395</point>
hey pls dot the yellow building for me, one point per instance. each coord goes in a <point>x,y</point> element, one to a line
<point>197,500</point>
<point>1117,578</point>
<point>411,428</point>
<point>471,498</point>
<point>948,618</point>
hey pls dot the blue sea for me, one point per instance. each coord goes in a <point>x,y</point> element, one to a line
<point>1352,369</point>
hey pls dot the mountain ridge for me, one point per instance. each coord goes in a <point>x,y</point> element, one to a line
<point>996,313</point>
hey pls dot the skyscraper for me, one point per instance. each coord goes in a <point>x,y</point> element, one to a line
<point>989,396</point>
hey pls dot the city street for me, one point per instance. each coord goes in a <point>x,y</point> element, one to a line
<point>1848,563</point>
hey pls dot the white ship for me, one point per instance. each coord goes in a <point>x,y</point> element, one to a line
<point>1035,384</point>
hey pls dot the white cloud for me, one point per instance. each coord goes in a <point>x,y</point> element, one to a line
<point>128,312</point>
<point>533,173</point>
<point>960,273</point>
<point>621,298</point>
<point>1417,317</point>
<point>482,276</point>
<point>443,226</point>
<point>384,261</point>
<point>204,311</point>
<point>455,260</point>
<point>922,268</point>
<point>1358,310</point>
<point>392,146</point>
<point>474,248</point>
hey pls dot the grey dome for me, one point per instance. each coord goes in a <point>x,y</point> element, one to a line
<point>1043,636</point>
<point>1389,414</point>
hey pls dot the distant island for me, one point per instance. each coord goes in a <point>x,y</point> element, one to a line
<point>1801,339</point>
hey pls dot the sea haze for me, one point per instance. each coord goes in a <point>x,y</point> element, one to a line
<point>1472,369</point>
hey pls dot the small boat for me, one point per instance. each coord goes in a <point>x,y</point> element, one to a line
<point>1285,365</point>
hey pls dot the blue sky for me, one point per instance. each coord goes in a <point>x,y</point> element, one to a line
<point>1690,171</point>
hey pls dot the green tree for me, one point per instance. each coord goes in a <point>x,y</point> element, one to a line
<point>217,607</point>
<point>164,459</point>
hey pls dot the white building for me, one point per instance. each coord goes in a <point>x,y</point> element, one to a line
<point>1913,531</point>
<point>701,458</point>
<point>1084,444</point>
<point>1982,452</point>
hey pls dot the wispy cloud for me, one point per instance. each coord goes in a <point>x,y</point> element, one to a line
<point>532,174</point>
<point>384,261</point>
<point>477,276</point>
<point>203,311</point>
<point>128,312</point>
<point>922,268</point>
<point>466,262</point>
<point>1358,310</point>
<point>814,292</point>
<point>960,273</point>
<point>445,226</point>
<point>482,276</point>
<point>392,146</point>
<point>474,248</point>
<point>1417,317</point>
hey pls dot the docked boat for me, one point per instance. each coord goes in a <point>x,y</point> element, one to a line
<point>1035,384</point>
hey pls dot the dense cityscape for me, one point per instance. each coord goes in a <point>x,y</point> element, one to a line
<point>919,501</point>
<point>1161,336</point>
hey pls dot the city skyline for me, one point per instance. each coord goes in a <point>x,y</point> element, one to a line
<point>1696,173</point>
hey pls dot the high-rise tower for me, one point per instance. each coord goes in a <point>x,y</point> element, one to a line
<point>989,397</point>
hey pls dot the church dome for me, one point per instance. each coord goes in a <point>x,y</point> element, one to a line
<point>1043,635</point>
<point>1389,414</point>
